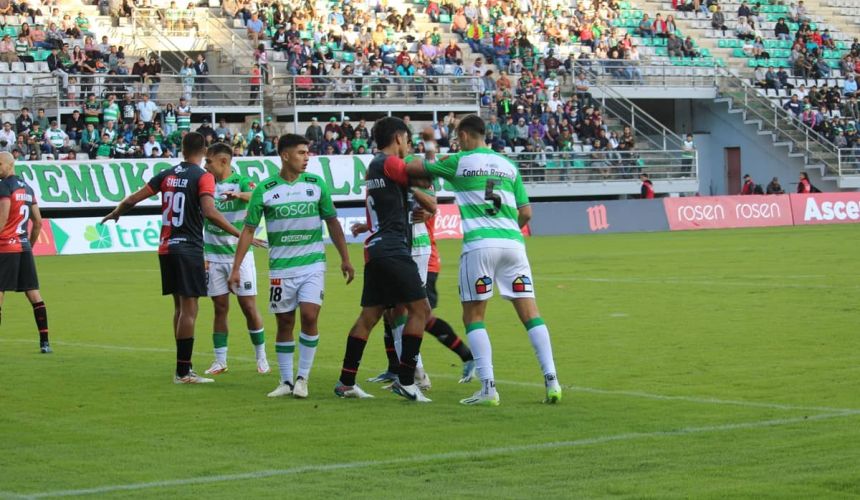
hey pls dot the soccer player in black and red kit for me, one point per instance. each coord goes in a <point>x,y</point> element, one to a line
<point>391,277</point>
<point>17,267</point>
<point>187,196</point>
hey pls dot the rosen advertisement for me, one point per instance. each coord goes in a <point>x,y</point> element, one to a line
<point>95,184</point>
<point>715,212</point>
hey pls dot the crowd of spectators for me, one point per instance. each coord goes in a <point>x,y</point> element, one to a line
<point>831,111</point>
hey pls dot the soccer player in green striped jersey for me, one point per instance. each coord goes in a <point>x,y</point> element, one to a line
<point>294,204</point>
<point>494,207</point>
<point>232,194</point>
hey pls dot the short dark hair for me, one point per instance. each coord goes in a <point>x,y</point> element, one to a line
<point>472,125</point>
<point>220,148</point>
<point>385,129</point>
<point>288,141</point>
<point>193,144</point>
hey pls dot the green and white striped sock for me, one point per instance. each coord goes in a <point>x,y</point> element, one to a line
<point>258,338</point>
<point>307,351</point>
<point>219,340</point>
<point>285,352</point>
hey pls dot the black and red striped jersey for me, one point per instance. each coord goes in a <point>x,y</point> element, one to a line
<point>14,235</point>
<point>181,188</point>
<point>387,208</point>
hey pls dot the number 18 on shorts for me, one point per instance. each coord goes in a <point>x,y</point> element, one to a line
<point>285,294</point>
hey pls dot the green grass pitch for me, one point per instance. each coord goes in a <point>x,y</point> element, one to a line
<point>700,364</point>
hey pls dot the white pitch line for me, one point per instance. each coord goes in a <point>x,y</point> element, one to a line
<point>589,390</point>
<point>454,455</point>
<point>684,281</point>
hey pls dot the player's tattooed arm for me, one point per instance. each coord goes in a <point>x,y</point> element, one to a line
<point>339,240</point>
<point>36,217</point>
<point>210,211</point>
<point>128,203</point>
<point>427,201</point>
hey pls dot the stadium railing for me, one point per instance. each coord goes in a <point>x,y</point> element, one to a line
<point>550,167</point>
<point>444,92</point>
<point>212,93</point>
<point>849,162</point>
<point>637,74</point>
<point>785,126</point>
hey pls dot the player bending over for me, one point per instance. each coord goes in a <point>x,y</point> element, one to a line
<point>17,267</point>
<point>493,209</point>
<point>294,202</point>
<point>187,193</point>
<point>390,275</point>
<point>232,193</point>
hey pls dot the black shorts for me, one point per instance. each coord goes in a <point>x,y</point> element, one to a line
<point>432,296</point>
<point>391,280</point>
<point>183,274</point>
<point>18,272</point>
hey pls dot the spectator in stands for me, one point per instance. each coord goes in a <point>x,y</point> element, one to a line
<point>314,133</point>
<point>255,82</point>
<point>7,137</point>
<point>774,187</point>
<point>151,148</point>
<point>744,30</point>
<point>56,67</point>
<point>802,67</point>
<point>201,68</point>
<point>22,48</point>
<point>222,131</point>
<point>646,191</point>
<point>849,86</point>
<point>674,47</point>
<point>21,148</point>
<point>7,50</point>
<point>582,86</point>
<point>188,74</point>
<point>7,7</point>
<point>83,25</point>
<point>153,69</point>
<point>718,20</point>
<point>794,106</point>
<point>56,141</point>
<point>645,27</point>
<point>146,110</point>
<point>781,30</point>
<point>255,29</point>
<point>54,35</point>
<point>75,126</point>
<point>688,148</point>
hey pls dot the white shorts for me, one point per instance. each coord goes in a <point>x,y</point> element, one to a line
<point>218,274</point>
<point>423,262</point>
<point>285,294</point>
<point>483,270</point>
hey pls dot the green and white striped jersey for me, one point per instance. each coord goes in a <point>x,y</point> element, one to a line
<point>219,246</point>
<point>420,235</point>
<point>489,190</point>
<point>294,212</point>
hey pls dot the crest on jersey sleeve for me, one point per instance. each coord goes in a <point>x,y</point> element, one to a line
<point>484,284</point>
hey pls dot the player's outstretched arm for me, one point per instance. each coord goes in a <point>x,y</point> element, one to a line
<point>128,203</point>
<point>339,240</point>
<point>415,169</point>
<point>36,217</point>
<point>426,200</point>
<point>210,211</point>
<point>242,247</point>
<point>236,195</point>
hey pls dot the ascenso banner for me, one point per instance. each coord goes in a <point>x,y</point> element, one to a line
<point>715,212</point>
<point>825,208</point>
<point>104,183</point>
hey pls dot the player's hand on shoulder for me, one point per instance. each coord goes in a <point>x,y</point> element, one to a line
<point>230,195</point>
<point>358,228</point>
<point>348,271</point>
